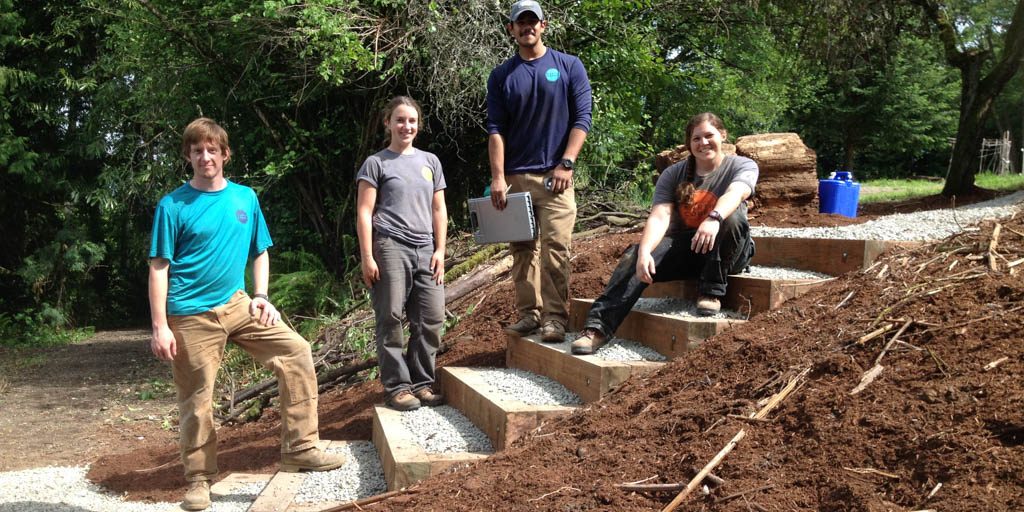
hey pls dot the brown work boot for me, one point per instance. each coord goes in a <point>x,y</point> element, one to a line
<point>313,459</point>
<point>197,497</point>
<point>404,401</point>
<point>428,398</point>
<point>552,332</point>
<point>708,305</point>
<point>590,341</point>
<point>524,327</point>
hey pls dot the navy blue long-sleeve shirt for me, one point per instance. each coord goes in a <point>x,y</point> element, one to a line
<point>534,104</point>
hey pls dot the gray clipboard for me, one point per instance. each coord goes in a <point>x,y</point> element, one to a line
<point>513,224</point>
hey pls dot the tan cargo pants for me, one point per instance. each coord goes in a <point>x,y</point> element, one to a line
<point>540,268</point>
<point>201,340</point>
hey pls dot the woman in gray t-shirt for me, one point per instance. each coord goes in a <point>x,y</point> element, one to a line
<point>697,228</point>
<point>402,223</point>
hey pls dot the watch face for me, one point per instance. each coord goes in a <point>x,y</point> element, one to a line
<point>567,163</point>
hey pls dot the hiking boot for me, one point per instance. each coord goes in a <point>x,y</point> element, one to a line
<point>404,401</point>
<point>197,497</point>
<point>428,398</point>
<point>552,332</point>
<point>708,305</point>
<point>590,341</point>
<point>313,459</point>
<point>524,327</point>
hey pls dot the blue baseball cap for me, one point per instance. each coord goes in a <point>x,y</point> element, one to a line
<point>522,6</point>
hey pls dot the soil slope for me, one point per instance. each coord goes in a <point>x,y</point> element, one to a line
<point>933,416</point>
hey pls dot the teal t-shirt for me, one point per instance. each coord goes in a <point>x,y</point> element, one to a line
<point>208,237</point>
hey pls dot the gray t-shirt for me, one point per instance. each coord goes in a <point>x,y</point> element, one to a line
<point>709,188</point>
<point>405,194</point>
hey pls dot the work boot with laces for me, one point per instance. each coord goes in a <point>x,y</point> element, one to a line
<point>590,341</point>
<point>428,398</point>
<point>313,459</point>
<point>708,305</point>
<point>552,332</point>
<point>404,401</point>
<point>524,327</point>
<point>197,497</point>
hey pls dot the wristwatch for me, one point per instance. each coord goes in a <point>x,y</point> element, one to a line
<point>714,215</point>
<point>567,163</point>
<point>261,296</point>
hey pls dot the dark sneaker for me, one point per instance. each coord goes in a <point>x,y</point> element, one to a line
<point>428,398</point>
<point>708,305</point>
<point>313,459</point>
<point>404,401</point>
<point>552,332</point>
<point>197,497</point>
<point>523,327</point>
<point>590,341</point>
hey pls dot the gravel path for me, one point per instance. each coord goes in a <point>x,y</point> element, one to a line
<point>680,308</point>
<point>528,387</point>
<point>443,429</point>
<point>918,226</point>
<point>63,489</point>
<point>361,476</point>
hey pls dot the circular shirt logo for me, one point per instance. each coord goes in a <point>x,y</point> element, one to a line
<point>427,173</point>
<point>241,216</point>
<point>552,75</point>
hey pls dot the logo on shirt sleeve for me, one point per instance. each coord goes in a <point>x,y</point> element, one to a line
<point>552,75</point>
<point>241,216</point>
<point>428,173</point>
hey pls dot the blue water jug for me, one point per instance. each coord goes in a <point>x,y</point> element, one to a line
<point>839,194</point>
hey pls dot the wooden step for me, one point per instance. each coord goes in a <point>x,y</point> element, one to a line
<point>502,419</point>
<point>826,255</point>
<point>746,294</point>
<point>670,335</point>
<point>403,460</point>
<point>588,376</point>
<point>280,491</point>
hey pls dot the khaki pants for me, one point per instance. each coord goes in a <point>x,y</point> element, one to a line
<point>540,268</point>
<point>201,340</point>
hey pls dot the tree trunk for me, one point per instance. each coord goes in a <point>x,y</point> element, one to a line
<point>976,92</point>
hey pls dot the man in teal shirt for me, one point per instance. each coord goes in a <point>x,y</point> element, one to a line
<point>204,234</point>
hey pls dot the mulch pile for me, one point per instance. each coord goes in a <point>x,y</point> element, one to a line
<point>934,414</point>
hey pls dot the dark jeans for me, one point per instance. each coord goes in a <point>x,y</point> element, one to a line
<point>673,260</point>
<point>406,283</point>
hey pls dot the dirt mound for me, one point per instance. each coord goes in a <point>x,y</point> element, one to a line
<point>933,416</point>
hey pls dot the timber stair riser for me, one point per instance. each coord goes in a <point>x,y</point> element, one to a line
<point>403,460</point>
<point>745,294</point>
<point>826,255</point>
<point>503,421</point>
<point>671,336</point>
<point>589,377</point>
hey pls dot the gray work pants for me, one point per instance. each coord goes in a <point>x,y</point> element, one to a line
<point>406,284</point>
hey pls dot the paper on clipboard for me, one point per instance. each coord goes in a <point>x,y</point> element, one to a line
<point>513,224</point>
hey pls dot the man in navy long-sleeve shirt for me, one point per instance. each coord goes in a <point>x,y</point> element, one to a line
<point>538,116</point>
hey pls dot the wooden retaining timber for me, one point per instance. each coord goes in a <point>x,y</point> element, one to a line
<point>404,461</point>
<point>746,294</point>
<point>828,256</point>
<point>503,420</point>
<point>589,377</point>
<point>669,335</point>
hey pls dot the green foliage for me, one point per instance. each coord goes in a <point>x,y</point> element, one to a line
<point>42,328</point>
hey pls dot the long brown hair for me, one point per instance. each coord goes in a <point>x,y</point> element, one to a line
<point>396,102</point>
<point>685,190</point>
